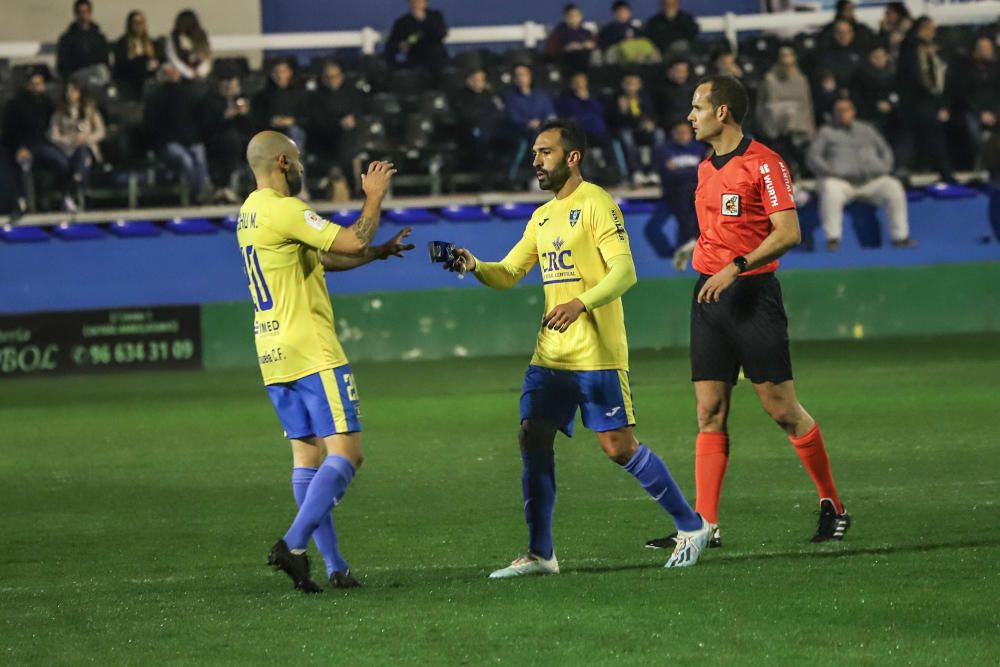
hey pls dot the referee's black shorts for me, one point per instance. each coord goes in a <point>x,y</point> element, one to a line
<point>746,328</point>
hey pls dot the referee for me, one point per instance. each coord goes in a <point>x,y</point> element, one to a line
<point>747,220</point>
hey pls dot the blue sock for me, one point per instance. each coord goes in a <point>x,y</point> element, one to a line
<point>652,473</point>
<point>325,535</point>
<point>538,483</point>
<point>325,489</point>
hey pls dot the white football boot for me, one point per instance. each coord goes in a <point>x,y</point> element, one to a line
<point>690,545</point>
<point>527,565</point>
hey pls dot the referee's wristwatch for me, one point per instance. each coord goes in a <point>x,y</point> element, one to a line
<point>741,263</point>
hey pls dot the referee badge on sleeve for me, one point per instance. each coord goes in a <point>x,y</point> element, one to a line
<point>730,204</point>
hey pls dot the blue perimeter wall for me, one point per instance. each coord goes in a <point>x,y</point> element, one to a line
<point>318,15</point>
<point>113,272</point>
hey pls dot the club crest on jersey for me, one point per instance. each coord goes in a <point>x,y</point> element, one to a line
<point>314,221</point>
<point>730,204</point>
<point>574,217</point>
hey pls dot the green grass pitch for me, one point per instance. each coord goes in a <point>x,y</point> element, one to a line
<point>137,512</point>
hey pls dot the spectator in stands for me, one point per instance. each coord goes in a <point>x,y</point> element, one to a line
<point>980,94</point>
<point>785,108</point>
<point>877,93</point>
<point>571,43</point>
<point>228,129</point>
<point>863,35</point>
<point>417,39</point>
<point>173,124</point>
<point>187,47</point>
<point>12,202</point>
<point>672,97</point>
<point>826,92</point>
<point>25,133</point>
<point>726,63</point>
<point>622,39</point>
<point>676,160</point>
<point>635,125</point>
<point>842,55</point>
<point>527,107</point>
<point>578,104</point>
<point>136,60</point>
<point>926,96</point>
<point>281,106</point>
<point>82,50</point>
<point>482,125</point>
<point>895,23</point>
<point>852,162</point>
<point>672,30</point>
<point>332,113</point>
<point>76,131</point>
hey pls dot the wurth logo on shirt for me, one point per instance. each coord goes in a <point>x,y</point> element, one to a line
<point>772,195</point>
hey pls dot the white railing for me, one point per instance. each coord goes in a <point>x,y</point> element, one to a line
<point>530,34</point>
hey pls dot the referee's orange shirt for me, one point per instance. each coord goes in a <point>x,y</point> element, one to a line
<point>736,194</point>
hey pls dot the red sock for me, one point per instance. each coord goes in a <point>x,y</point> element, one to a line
<point>812,452</point>
<point>711,456</point>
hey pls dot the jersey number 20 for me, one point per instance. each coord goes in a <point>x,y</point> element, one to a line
<point>259,291</point>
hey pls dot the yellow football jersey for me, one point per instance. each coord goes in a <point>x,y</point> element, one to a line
<point>572,239</point>
<point>280,238</point>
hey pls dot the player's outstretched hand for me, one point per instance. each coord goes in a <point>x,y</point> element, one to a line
<point>462,261</point>
<point>395,246</point>
<point>563,315</point>
<point>375,182</point>
<point>717,284</point>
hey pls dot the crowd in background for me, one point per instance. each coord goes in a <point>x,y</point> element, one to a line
<point>167,102</point>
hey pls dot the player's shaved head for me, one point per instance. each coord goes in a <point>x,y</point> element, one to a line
<point>273,156</point>
<point>266,147</point>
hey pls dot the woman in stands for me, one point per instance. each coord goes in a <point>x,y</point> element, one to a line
<point>76,130</point>
<point>187,47</point>
<point>136,58</point>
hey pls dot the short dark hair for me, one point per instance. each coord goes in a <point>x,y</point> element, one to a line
<point>571,135</point>
<point>619,4</point>
<point>728,90</point>
<point>78,3</point>
<point>567,8</point>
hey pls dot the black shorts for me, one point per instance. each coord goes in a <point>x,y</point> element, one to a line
<point>746,328</point>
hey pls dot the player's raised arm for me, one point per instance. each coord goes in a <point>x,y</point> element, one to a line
<point>375,184</point>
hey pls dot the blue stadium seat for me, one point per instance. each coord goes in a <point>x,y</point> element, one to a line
<point>133,229</point>
<point>343,218</point>
<point>636,206</point>
<point>515,211</point>
<point>229,223</point>
<point>864,220</point>
<point>466,214</point>
<point>12,234</point>
<point>192,226</point>
<point>951,191</point>
<point>411,216</point>
<point>78,232</point>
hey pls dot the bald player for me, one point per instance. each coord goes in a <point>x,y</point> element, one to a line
<point>286,248</point>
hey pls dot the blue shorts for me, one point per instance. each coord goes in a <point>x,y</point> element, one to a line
<point>604,398</point>
<point>321,404</point>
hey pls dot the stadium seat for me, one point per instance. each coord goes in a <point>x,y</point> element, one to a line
<point>132,229</point>
<point>951,191</point>
<point>344,218</point>
<point>411,216</point>
<point>470,213</point>
<point>521,211</point>
<point>864,220</point>
<point>229,223</point>
<point>78,231</point>
<point>11,234</point>
<point>636,206</point>
<point>191,226</point>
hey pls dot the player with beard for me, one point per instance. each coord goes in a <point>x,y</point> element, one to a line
<point>285,248</point>
<point>581,355</point>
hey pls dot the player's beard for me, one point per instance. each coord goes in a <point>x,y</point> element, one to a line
<point>294,181</point>
<point>555,179</point>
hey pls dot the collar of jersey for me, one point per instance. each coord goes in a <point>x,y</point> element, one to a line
<point>720,161</point>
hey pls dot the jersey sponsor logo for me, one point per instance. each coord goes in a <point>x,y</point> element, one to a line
<point>542,221</point>
<point>574,217</point>
<point>786,177</point>
<point>772,195</point>
<point>314,221</point>
<point>731,204</point>
<point>558,265</point>
<point>620,228</point>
